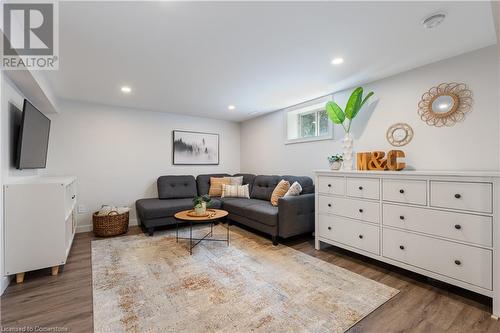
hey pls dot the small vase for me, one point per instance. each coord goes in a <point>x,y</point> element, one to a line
<point>201,210</point>
<point>335,165</point>
<point>347,144</point>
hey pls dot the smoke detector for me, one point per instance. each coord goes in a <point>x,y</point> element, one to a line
<point>433,20</point>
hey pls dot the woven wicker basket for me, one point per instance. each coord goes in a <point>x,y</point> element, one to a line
<point>110,225</point>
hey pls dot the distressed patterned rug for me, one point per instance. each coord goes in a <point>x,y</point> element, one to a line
<point>152,284</point>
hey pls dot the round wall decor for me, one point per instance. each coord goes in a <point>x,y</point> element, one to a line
<point>445,104</point>
<point>399,134</point>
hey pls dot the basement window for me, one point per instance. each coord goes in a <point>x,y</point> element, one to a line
<point>308,122</point>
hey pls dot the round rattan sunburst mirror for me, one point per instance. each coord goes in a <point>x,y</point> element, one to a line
<point>445,104</point>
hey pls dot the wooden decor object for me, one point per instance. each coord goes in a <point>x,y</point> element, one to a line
<point>399,134</point>
<point>378,162</point>
<point>445,104</point>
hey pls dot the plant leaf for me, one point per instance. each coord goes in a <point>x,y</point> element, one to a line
<point>354,103</point>
<point>335,113</point>
<point>366,98</point>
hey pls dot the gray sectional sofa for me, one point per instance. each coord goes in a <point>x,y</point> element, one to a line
<point>293,215</point>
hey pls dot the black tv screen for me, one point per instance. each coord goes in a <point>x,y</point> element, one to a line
<point>33,138</point>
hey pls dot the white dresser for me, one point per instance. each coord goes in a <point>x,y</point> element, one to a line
<point>40,223</point>
<point>440,224</point>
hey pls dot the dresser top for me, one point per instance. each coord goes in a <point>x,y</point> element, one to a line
<point>450,173</point>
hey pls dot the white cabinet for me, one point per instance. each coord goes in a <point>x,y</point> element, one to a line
<point>440,224</point>
<point>40,223</point>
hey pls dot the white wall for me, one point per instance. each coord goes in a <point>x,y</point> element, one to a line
<point>470,145</point>
<point>117,154</point>
<point>11,105</point>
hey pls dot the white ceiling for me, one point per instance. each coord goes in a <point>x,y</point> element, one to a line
<point>197,58</point>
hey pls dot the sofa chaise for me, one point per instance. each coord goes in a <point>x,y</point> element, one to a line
<point>293,216</point>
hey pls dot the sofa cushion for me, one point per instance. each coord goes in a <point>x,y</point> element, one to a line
<point>254,209</point>
<point>248,178</point>
<point>304,181</point>
<point>203,182</point>
<point>158,208</point>
<point>176,187</point>
<point>263,187</point>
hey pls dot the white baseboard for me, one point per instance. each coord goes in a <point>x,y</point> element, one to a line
<point>4,283</point>
<point>88,227</point>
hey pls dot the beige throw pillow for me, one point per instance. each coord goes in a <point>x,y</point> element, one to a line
<point>279,191</point>
<point>294,190</point>
<point>235,191</point>
<point>235,180</point>
<point>216,186</point>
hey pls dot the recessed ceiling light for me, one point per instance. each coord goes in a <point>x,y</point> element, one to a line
<point>231,107</point>
<point>433,20</point>
<point>126,89</point>
<point>337,61</point>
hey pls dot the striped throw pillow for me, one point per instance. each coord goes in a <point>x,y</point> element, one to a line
<point>279,191</point>
<point>235,191</point>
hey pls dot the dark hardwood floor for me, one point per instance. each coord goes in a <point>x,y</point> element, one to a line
<point>65,301</point>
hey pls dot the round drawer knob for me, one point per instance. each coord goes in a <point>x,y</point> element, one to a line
<point>73,197</point>
<point>458,196</point>
<point>401,247</point>
<point>458,226</point>
<point>329,228</point>
<point>458,262</point>
<point>401,191</point>
<point>361,210</point>
<point>329,185</point>
<point>360,236</point>
<point>329,205</point>
<point>360,188</point>
<point>401,217</point>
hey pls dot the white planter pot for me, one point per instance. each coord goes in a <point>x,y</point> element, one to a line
<point>201,210</point>
<point>335,165</point>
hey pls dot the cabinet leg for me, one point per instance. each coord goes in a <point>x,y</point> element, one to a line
<point>20,277</point>
<point>55,270</point>
<point>317,244</point>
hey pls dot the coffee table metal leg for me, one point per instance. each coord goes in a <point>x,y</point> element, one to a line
<point>177,231</point>
<point>228,226</point>
<point>191,238</point>
<point>211,229</point>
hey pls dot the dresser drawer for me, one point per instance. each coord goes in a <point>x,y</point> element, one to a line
<point>405,191</point>
<point>368,211</point>
<point>367,188</point>
<point>476,197</point>
<point>331,185</point>
<point>462,262</point>
<point>470,228</point>
<point>350,232</point>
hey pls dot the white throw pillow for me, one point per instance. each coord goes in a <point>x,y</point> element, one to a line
<point>294,190</point>
<point>235,180</point>
<point>235,191</point>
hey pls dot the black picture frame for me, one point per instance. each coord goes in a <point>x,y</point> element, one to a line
<point>175,159</point>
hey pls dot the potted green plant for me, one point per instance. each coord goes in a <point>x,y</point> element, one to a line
<point>200,204</point>
<point>335,161</point>
<point>339,116</point>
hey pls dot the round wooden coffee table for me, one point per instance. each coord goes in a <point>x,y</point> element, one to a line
<point>213,216</point>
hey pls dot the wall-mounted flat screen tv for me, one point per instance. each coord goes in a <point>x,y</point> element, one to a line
<point>33,139</point>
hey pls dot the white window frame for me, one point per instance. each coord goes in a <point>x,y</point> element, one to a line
<point>305,108</point>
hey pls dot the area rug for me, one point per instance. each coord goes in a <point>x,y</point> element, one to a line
<point>152,284</point>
